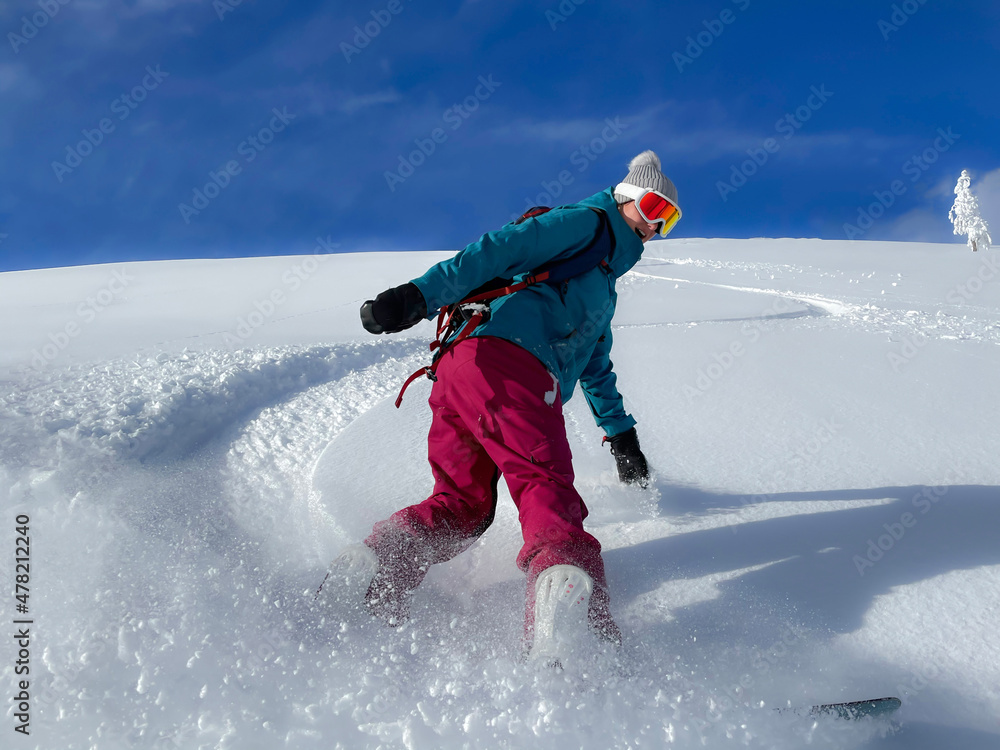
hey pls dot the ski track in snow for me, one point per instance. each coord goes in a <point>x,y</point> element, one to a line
<point>204,461</point>
<point>897,323</point>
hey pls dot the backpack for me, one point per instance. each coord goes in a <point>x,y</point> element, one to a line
<point>456,321</point>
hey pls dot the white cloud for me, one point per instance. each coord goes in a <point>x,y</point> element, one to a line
<point>987,190</point>
<point>135,9</point>
<point>355,102</point>
<point>321,99</point>
<point>693,133</point>
<point>9,75</point>
<point>665,128</point>
<point>922,224</point>
<point>16,80</point>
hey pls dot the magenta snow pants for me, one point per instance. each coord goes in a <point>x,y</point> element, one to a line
<point>496,410</point>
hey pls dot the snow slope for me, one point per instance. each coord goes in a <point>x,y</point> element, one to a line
<point>194,441</point>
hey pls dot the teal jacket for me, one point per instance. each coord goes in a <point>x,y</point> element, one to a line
<point>567,326</point>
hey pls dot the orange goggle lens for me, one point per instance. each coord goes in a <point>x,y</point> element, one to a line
<point>656,208</point>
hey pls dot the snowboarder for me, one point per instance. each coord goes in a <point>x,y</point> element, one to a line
<point>497,409</point>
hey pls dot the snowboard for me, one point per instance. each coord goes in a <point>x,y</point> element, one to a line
<point>873,707</point>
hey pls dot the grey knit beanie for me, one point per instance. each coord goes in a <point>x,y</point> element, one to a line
<point>644,171</point>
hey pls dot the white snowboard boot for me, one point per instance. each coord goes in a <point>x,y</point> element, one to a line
<point>562,604</point>
<point>349,577</point>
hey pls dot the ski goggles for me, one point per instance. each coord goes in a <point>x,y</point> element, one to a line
<point>653,207</point>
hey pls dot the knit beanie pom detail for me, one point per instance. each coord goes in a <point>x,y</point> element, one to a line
<point>646,158</point>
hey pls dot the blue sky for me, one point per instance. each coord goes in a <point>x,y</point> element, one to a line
<point>401,124</point>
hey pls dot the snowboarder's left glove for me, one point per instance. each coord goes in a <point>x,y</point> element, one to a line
<point>632,467</point>
<point>394,310</point>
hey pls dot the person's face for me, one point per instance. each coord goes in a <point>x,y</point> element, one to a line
<point>643,229</point>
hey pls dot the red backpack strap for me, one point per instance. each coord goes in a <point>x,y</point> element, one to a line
<point>531,213</point>
<point>471,324</point>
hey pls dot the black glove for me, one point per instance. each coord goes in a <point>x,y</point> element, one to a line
<point>632,468</point>
<point>394,310</point>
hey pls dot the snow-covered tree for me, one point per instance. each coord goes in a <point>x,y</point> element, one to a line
<point>965,215</point>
